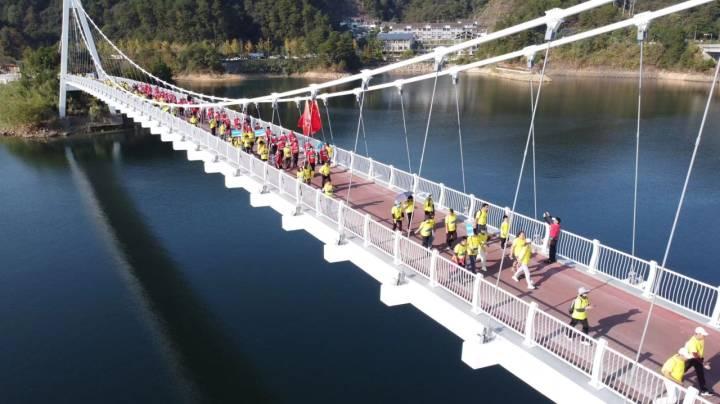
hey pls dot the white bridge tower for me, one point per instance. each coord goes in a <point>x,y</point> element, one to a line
<point>75,7</point>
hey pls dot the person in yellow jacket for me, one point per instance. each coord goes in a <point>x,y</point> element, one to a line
<point>481,218</point>
<point>578,311</point>
<point>409,207</point>
<point>330,151</point>
<point>523,254</point>
<point>476,248</point>
<point>213,126</point>
<point>251,141</point>
<point>451,228</point>
<point>460,252</point>
<point>247,142</point>
<point>674,367</point>
<point>396,214</point>
<point>504,231</point>
<point>307,173</point>
<point>221,130</point>
<point>429,207</point>
<point>287,157</point>
<point>674,370</point>
<point>328,189</point>
<point>427,227</point>
<point>696,348</point>
<point>263,151</point>
<point>193,120</point>
<point>325,172</point>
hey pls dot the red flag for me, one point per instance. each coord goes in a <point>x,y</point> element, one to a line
<point>310,121</point>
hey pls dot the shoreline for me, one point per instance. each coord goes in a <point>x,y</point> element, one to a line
<point>649,73</point>
<point>502,72</point>
<point>239,77</point>
<point>64,128</point>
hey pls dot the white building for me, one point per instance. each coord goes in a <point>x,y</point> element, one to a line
<point>396,42</point>
<point>432,35</point>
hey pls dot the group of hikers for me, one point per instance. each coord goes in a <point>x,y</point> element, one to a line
<point>471,248</point>
<point>282,151</point>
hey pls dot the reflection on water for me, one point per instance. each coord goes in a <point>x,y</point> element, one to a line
<point>198,348</point>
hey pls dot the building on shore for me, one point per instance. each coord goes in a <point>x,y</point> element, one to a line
<point>426,35</point>
<point>395,43</point>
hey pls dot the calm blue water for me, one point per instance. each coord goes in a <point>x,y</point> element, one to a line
<point>129,275</point>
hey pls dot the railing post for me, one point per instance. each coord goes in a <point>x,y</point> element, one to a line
<point>341,223</point>
<point>265,176</point>
<point>415,184</point>
<point>318,195</point>
<point>298,197</point>
<point>650,283</point>
<point>715,319</point>
<point>476,309</point>
<point>392,176</point>
<point>691,395</point>
<point>596,374</point>
<point>529,340</point>
<point>371,170</point>
<point>433,268</point>
<point>595,257</point>
<point>441,197</point>
<point>396,248</point>
<point>352,161</point>
<point>546,240</point>
<point>471,209</point>
<point>366,231</point>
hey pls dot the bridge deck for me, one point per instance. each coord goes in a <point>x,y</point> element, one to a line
<point>617,315</point>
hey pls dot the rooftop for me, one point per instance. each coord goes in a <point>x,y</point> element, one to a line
<point>396,36</point>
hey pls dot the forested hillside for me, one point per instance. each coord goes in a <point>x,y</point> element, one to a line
<point>194,35</point>
<point>197,31</point>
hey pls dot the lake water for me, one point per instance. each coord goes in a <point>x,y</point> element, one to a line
<point>129,275</point>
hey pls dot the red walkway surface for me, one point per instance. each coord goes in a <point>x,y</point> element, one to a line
<point>617,315</point>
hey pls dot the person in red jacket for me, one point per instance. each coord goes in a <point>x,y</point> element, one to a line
<point>554,223</point>
<point>278,158</point>
<point>295,149</point>
<point>323,154</point>
<point>311,158</point>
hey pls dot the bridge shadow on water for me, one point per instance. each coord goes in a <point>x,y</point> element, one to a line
<point>200,351</point>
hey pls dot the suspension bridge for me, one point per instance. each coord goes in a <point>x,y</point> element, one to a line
<point>644,310</point>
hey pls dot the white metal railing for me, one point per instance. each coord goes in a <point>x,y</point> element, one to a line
<point>382,173</point>
<point>604,366</point>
